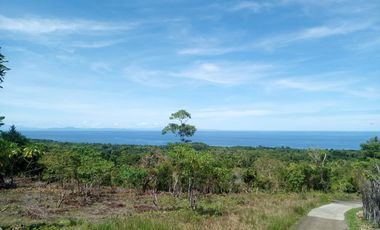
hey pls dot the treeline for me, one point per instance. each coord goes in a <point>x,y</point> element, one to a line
<point>238,168</point>
<point>197,169</point>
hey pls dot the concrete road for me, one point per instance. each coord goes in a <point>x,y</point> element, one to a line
<point>328,217</point>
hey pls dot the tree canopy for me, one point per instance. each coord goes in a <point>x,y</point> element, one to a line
<point>183,130</point>
<point>371,149</point>
<point>3,70</point>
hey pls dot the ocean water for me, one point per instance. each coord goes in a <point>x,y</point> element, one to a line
<point>293,139</point>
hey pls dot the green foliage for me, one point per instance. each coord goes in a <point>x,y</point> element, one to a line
<point>295,177</point>
<point>135,177</point>
<point>319,173</point>
<point>355,223</point>
<point>130,223</point>
<point>5,159</point>
<point>249,176</point>
<point>371,149</point>
<point>183,130</point>
<point>344,177</point>
<point>17,156</point>
<point>199,168</point>
<point>84,166</point>
<point>3,69</point>
<point>209,169</point>
<point>60,166</point>
<point>12,135</point>
<point>164,176</point>
<point>94,170</point>
<point>269,173</point>
<point>1,120</point>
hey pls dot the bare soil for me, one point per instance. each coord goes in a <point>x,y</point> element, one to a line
<point>38,202</point>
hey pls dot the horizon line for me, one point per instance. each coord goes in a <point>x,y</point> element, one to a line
<point>159,129</point>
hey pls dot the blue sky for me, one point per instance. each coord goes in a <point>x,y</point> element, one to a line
<point>235,65</point>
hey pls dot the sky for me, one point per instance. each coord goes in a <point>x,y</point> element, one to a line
<point>234,65</point>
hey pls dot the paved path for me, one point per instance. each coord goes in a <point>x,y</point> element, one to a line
<point>328,217</point>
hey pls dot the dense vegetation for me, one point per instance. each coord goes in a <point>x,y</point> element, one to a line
<point>176,167</point>
<point>194,168</point>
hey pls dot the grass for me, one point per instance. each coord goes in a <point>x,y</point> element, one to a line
<point>355,223</point>
<point>233,211</point>
<point>35,207</point>
<point>136,222</point>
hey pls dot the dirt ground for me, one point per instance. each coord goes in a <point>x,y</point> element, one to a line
<point>37,202</point>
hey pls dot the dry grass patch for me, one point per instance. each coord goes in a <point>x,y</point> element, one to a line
<point>38,204</point>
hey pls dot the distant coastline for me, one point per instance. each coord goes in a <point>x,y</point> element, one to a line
<point>349,140</point>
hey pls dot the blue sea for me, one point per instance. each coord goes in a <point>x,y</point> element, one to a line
<point>293,139</point>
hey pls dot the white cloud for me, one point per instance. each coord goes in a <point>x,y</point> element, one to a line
<point>95,44</point>
<point>313,33</point>
<point>149,77</point>
<point>227,113</point>
<point>308,85</point>
<point>215,47</point>
<point>225,73</point>
<point>332,30</point>
<point>100,67</point>
<point>35,26</point>
<point>217,73</point>
<point>251,5</point>
<point>208,51</point>
<point>324,83</point>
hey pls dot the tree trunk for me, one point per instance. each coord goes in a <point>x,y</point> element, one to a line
<point>175,184</point>
<point>2,181</point>
<point>194,202</point>
<point>192,198</point>
<point>154,198</point>
<point>371,201</point>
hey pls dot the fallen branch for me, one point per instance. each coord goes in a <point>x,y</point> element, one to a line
<point>3,210</point>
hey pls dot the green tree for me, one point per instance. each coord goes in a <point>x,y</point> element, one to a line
<point>3,69</point>
<point>12,135</point>
<point>195,170</point>
<point>371,149</point>
<point>134,177</point>
<point>319,173</point>
<point>85,166</point>
<point>16,159</point>
<point>343,176</point>
<point>269,173</point>
<point>94,171</point>
<point>5,161</point>
<point>183,130</point>
<point>59,166</point>
<point>295,177</point>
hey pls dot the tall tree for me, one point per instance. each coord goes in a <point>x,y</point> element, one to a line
<point>3,69</point>
<point>183,130</point>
